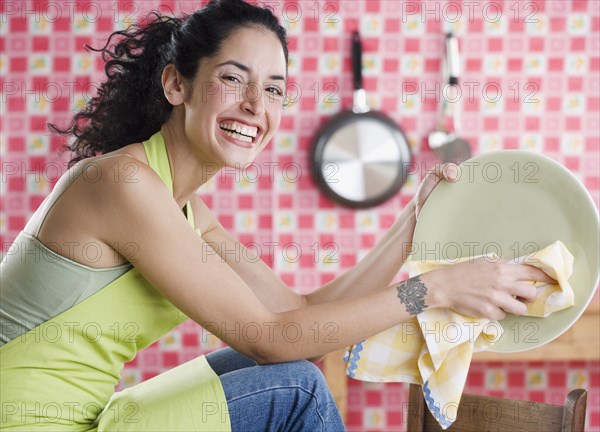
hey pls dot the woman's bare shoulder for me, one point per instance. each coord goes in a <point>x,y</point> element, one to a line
<point>109,180</point>
<point>94,196</point>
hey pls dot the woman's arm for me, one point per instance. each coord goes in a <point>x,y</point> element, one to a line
<point>181,266</point>
<point>260,278</point>
<point>377,268</point>
<point>374,271</point>
<point>383,262</point>
<point>278,297</point>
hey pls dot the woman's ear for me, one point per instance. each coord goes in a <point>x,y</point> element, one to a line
<point>172,85</point>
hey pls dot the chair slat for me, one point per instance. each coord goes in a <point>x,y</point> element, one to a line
<point>492,414</point>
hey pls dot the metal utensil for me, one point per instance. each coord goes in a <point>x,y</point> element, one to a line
<point>445,142</point>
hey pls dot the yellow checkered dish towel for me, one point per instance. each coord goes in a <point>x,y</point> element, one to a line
<point>434,349</point>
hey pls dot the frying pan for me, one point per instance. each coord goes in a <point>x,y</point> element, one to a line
<point>360,158</point>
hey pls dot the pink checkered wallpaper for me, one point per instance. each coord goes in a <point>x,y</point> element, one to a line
<point>531,81</point>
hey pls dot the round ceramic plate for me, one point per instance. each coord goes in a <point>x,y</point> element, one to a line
<point>514,203</point>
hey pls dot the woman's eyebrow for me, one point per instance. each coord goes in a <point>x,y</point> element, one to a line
<point>247,69</point>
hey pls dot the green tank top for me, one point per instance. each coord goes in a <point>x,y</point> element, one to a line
<point>61,374</point>
<point>38,284</point>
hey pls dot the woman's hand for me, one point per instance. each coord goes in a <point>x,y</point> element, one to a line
<point>484,289</point>
<point>447,171</point>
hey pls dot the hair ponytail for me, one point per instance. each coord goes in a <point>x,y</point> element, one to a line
<point>130,105</point>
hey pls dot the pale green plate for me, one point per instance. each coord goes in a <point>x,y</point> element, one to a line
<point>514,203</point>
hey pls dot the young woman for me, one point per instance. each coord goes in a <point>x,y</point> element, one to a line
<point>123,250</point>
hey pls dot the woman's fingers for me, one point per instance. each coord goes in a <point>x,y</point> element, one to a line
<point>496,313</point>
<point>526,272</point>
<point>447,171</point>
<point>495,288</point>
<point>450,171</point>
<point>531,273</point>
<point>510,304</point>
<point>525,291</point>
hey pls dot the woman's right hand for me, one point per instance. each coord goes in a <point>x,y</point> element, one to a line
<point>484,289</point>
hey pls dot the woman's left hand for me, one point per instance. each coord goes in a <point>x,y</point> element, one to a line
<point>447,171</point>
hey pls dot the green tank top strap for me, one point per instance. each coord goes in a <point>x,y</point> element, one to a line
<point>158,158</point>
<point>156,150</point>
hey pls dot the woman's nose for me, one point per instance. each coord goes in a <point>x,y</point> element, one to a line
<point>253,100</point>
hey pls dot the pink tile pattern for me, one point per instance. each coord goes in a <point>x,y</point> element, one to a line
<point>531,81</point>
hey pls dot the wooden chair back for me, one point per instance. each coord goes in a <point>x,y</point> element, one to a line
<point>486,413</point>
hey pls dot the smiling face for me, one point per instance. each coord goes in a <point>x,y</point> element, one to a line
<point>235,107</point>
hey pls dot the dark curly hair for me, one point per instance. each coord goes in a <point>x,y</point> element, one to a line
<point>130,105</point>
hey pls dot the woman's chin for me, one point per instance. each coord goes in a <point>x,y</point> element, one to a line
<point>239,163</point>
<point>236,157</point>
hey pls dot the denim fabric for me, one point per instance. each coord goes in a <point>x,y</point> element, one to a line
<point>290,396</point>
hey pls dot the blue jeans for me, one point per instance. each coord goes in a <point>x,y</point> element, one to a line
<point>290,396</point>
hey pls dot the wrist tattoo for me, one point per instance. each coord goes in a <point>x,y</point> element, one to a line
<point>411,293</point>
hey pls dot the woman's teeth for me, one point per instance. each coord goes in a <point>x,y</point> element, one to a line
<point>239,131</point>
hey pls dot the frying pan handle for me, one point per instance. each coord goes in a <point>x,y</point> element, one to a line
<point>360,96</point>
<point>357,60</point>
